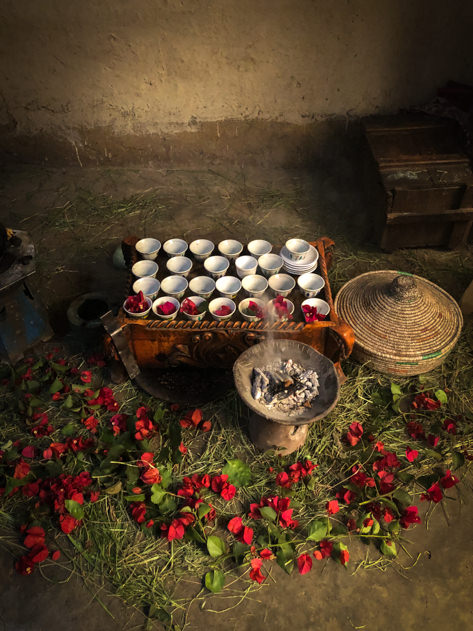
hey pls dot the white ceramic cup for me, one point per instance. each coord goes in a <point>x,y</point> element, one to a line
<point>246,265</point>
<point>270,264</point>
<point>175,247</point>
<point>281,284</point>
<point>179,265</point>
<point>202,285</point>
<point>162,300</point>
<point>230,248</point>
<point>321,306</point>
<point>145,268</point>
<point>142,314</point>
<point>254,285</point>
<point>148,248</point>
<point>174,286</point>
<point>201,249</point>
<point>310,284</point>
<point>198,301</point>
<point>258,247</point>
<point>244,304</point>
<point>215,305</point>
<point>216,266</point>
<point>228,286</point>
<point>273,314</point>
<point>148,285</point>
<point>297,248</point>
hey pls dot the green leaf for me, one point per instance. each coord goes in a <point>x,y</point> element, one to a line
<point>114,488</point>
<point>458,460</point>
<point>215,580</point>
<point>239,550</point>
<point>388,548</point>
<point>68,403</point>
<point>193,535</point>
<point>58,367</point>
<point>238,472</point>
<point>132,475</point>
<point>395,389</point>
<point>203,510</point>
<point>268,513</point>
<point>287,564</point>
<point>75,509</point>
<point>158,415</point>
<point>317,530</point>
<point>166,477</point>
<point>441,396</point>
<point>34,386</point>
<point>216,546</point>
<point>55,386</point>
<point>405,477</point>
<point>135,498</point>
<point>69,429</point>
<point>394,527</point>
<point>157,494</point>
<point>391,505</point>
<point>13,483</point>
<point>167,505</point>
<point>402,497</point>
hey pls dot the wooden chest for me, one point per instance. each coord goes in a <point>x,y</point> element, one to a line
<point>426,180</point>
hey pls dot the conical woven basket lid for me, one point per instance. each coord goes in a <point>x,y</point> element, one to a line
<point>399,316</point>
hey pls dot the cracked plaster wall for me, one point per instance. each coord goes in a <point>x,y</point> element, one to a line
<point>87,71</point>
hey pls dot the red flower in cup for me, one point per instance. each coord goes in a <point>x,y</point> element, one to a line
<point>189,307</point>
<point>281,309</point>
<point>166,308</point>
<point>224,310</point>
<point>137,304</point>
<point>311,314</point>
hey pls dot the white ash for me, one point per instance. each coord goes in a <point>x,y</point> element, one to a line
<point>285,386</point>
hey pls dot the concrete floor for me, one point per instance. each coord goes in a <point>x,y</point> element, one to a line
<point>75,239</point>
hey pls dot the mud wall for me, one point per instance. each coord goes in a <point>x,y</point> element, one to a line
<point>121,81</point>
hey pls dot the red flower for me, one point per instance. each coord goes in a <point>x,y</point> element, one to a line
<point>255,572</point>
<point>450,426</point>
<point>380,446</point>
<point>282,479</point>
<point>354,434</point>
<point>28,452</point>
<point>266,553</point>
<point>410,516</point>
<point>118,422</point>
<point>138,511</point>
<point>241,532</point>
<point>144,429</point>
<point>56,555</point>
<point>35,535</point>
<point>182,448</point>
<point>151,476</point>
<point>304,563</point>
<point>411,454</point>
<point>86,376</point>
<point>176,530</point>
<point>38,553</point>
<point>423,401</point>
<point>24,565</point>
<point>193,418</point>
<point>415,430</point>
<point>449,480</point>
<point>388,515</point>
<point>332,507</point>
<point>94,496</point>
<point>68,523</point>
<point>434,494</point>
<point>56,396</point>
<point>433,440</point>
<point>91,423</point>
<point>344,557</point>
<point>324,551</point>
<point>224,488</point>
<point>360,478</point>
<point>21,470</point>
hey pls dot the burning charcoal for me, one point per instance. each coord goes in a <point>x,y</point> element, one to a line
<point>260,383</point>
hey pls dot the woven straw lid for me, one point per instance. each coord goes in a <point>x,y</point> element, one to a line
<point>399,320</point>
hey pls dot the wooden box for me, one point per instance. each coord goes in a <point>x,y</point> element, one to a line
<point>151,346</point>
<point>426,179</point>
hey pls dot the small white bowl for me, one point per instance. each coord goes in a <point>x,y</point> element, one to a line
<point>246,265</point>
<point>145,268</point>
<point>254,285</point>
<point>258,247</point>
<point>228,286</point>
<point>179,265</point>
<point>202,285</point>
<point>281,284</point>
<point>310,284</point>
<point>162,300</point>
<point>175,247</point>
<point>198,301</point>
<point>272,311</point>
<point>148,248</point>
<point>142,314</point>
<point>297,248</point>
<point>201,249</point>
<point>148,285</point>
<point>216,266</point>
<point>321,306</point>
<point>244,304</point>
<point>270,264</point>
<point>174,286</point>
<point>215,305</point>
<point>230,248</point>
